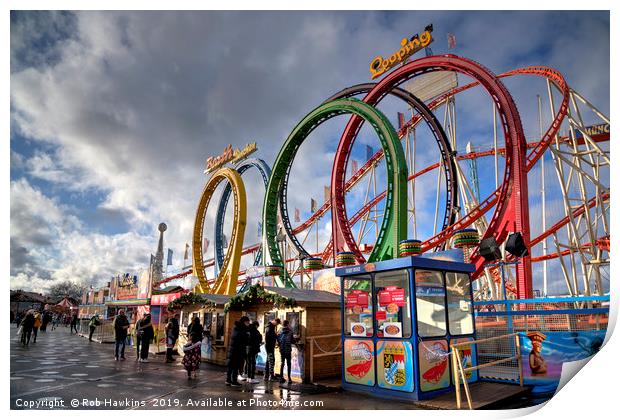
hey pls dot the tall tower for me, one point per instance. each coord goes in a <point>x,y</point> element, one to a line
<point>158,263</point>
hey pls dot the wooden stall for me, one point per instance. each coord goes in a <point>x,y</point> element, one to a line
<point>215,322</point>
<point>314,317</point>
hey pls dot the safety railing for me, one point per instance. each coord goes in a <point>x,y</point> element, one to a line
<point>312,342</point>
<point>460,371</point>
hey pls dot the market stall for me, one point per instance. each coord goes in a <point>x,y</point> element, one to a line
<point>313,315</point>
<point>209,308</point>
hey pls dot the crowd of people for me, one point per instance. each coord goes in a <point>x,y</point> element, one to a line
<point>244,346</point>
<point>32,321</point>
<point>243,349</point>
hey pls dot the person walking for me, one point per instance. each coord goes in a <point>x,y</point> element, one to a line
<point>36,326</point>
<point>191,356</point>
<point>271,338</point>
<point>27,324</point>
<point>92,325</point>
<point>236,350</point>
<point>47,319</point>
<point>253,348</point>
<point>146,334</point>
<point>74,322</point>
<point>120,325</point>
<point>285,341</point>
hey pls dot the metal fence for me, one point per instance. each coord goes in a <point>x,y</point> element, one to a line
<point>502,317</point>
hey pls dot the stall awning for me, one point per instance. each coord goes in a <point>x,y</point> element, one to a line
<point>129,302</point>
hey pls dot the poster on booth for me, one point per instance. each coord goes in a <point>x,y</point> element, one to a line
<point>395,365</point>
<point>543,354</point>
<point>434,372</point>
<point>359,362</point>
<point>297,362</point>
<point>326,281</point>
<point>468,358</point>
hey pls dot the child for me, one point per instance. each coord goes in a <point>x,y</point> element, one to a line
<point>191,358</point>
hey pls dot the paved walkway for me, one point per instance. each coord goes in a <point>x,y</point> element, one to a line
<point>64,370</point>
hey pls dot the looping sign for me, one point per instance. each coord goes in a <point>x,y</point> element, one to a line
<point>229,155</point>
<point>379,65</point>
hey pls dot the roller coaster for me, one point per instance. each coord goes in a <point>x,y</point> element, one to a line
<point>580,157</point>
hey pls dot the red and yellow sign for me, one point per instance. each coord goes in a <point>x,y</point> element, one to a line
<point>408,47</point>
<point>229,155</point>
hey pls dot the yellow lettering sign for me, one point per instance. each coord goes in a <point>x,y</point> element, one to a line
<point>229,155</point>
<point>379,65</point>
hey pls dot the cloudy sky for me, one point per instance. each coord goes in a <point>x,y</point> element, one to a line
<point>113,115</point>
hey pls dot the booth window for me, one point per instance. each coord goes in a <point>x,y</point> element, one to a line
<point>358,306</point>
<point>430,303</point>
<point>460,318</point>
<point>393,313</point>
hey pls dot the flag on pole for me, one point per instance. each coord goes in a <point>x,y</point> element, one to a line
<point>451,41</point>
<point>186,255</point>
<point>369,152</point>
<point>326,193</point>
<point>354,166</point>
<point>312,205</point>
<point>205,244</point>
<point>169,260</point>
<point>297,215</point>
<point>401,120</point>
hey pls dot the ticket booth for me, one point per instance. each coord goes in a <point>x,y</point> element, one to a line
<point>399,318</point>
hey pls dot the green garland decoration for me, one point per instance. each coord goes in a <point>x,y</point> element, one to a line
<point>257,294</point>
<point>189,299</point>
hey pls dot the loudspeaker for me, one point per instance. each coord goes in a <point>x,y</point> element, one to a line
<point>515,245</point>
<point>489,249</point>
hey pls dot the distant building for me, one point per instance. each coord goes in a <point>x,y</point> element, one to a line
<point>22,301</point>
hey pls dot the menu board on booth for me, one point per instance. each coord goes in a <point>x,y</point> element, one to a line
<point>434,358</point>
<point>359,362</point>
<point>395,365</point>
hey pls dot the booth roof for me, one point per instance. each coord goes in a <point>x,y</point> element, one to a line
<point>217,299</point>
<point>169,289</point>
<point>305,297</point>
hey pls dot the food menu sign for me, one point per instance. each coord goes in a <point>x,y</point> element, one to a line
<point>392,294</point>
<point>357,298</point>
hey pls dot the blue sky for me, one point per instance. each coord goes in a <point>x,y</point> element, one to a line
<point>114,113</point>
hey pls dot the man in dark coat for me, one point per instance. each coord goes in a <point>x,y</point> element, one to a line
<point>285,341</point>
<point>253,348</point>
<point>27,326</point>
<point>145,334</point>
<point>74,322</point>
<point>271,337</point>
<point>121,325</point>
<point>236,350</point>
